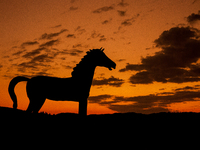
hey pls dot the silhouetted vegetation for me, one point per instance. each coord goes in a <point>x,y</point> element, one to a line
<point>118,119</point>
<point>128,127</point>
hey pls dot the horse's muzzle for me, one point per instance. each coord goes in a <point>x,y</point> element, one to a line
<point>112,66</point>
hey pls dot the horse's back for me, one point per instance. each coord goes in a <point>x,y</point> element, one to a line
<point>59,89</point>
<point>44,85</point>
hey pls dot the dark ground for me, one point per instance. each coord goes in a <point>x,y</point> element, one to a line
<point>9,116</point>
<point>132,128</point>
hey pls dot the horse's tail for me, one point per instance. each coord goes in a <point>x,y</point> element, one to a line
<point>11,87</point>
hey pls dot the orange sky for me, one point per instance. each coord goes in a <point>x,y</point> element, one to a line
<point>53,36</point>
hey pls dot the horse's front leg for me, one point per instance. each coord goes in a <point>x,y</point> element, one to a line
<point>83,107</point>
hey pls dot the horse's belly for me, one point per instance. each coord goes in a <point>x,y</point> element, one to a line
<point>61,96</point>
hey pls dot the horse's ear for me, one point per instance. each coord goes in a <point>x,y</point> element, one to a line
<point>102,49</point>
<point>88,51</point>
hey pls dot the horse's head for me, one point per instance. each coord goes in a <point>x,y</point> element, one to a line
<point>100,59</point>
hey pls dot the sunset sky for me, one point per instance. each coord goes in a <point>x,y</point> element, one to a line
<point>155,44</point>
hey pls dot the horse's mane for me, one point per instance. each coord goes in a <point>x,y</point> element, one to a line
<point>85,61</point>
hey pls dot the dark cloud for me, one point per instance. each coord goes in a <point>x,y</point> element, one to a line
<point>112,81</point>
<point>22,67</point>
<point>36,64</point>
<point>131,67</point>
<point>71,36</point>
<point>57,26</point>
<point>36,61</point>
<point>194,1</point>
<point>80,46</point>
<point>176,62</point>
<point>50,43</point>
<point>193,17</point>
<point>77,45</point>
<point>80,30</point>
<point>67,67</point>
<point>96,34</point>
<point>99,98</point>
<point>129,21</point>
<point>137,109</point>
<point>123,4</point>
<point>18,53</point>
<point>42,58</point>
<point>187,88</point>
<point>103,9</point>
<point>152,103</point>
<point>34,52</point>
<point>141,78</point>
<point>72,52</point>
<point>75,52</point>
<point>175,37</point>
<point>121,13</point>
<point>52,35</point>
<point>72,1</point>
<point>73,8</point>
<point>102,38</point>
<point>42,73</point>
<point>29,43</point>
<point>120,60</point>
<point>107,21</point>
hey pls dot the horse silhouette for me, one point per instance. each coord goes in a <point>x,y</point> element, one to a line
<point>75,88</point>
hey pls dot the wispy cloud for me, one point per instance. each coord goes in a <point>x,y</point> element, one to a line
<point>99,98</point>
<point>112,81</point>
<point>28,43</point>
<point>120,60</point>
<point>33,52</point>
<point>67,66</point>
<point>42,58</point>
<point>36,65</point>
<point>18,52</point>
<point>103,9</point>
<point>72,52</point>
<point>152,103</point>
<point>96,34</point>
<point>52,35</point>
<point>50,43</point>
<point>71,36</point>
<point>128,22</point>
<point>80,30</point>
<point>57,26</point>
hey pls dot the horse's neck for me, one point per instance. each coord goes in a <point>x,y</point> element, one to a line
<point>86,75</point>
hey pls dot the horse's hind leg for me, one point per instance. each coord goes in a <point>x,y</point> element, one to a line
<point>30,108</point>
<point>35,104</point>
<point>83,107</point>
